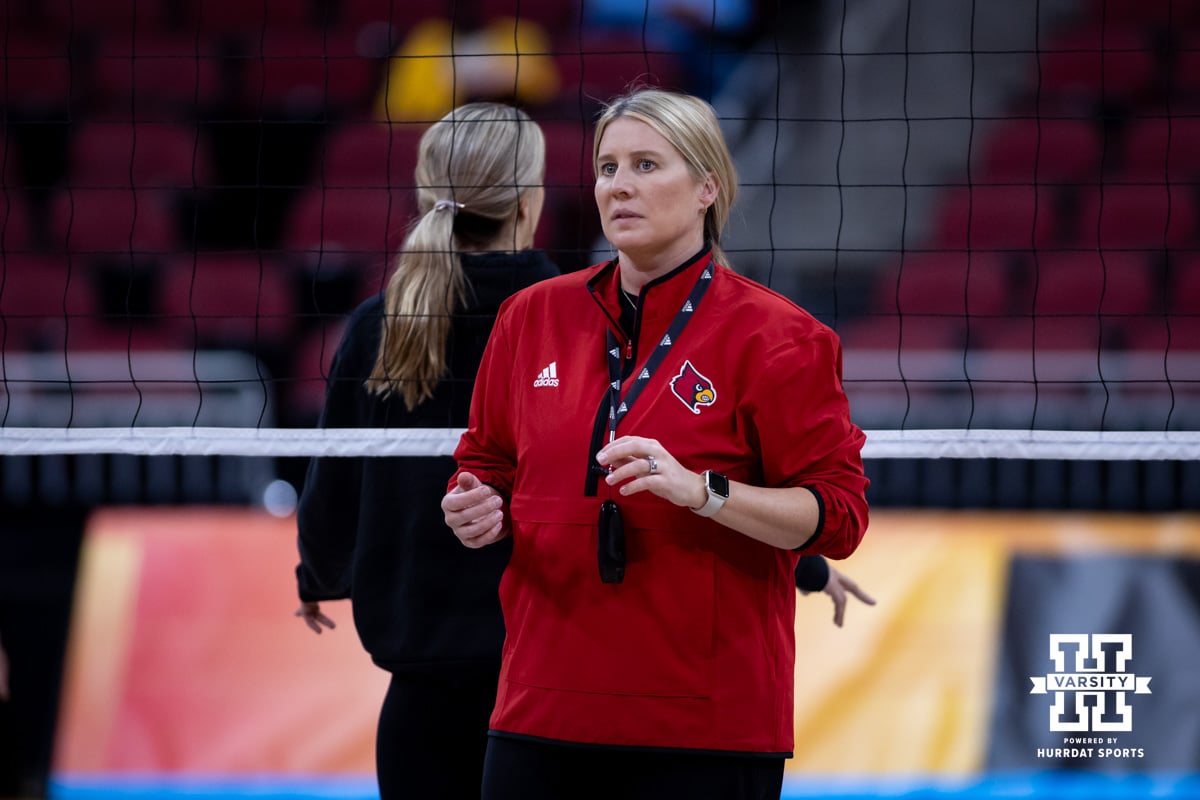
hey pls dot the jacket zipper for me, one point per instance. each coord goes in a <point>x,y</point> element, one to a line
<point>600,428</point>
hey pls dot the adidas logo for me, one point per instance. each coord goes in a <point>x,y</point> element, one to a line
<point>548,376</point>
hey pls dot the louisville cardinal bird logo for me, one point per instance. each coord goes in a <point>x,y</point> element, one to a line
<point>693,389</point>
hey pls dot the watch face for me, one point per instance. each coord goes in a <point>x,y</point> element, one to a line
<point>718,484</point>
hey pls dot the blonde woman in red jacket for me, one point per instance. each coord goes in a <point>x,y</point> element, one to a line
<point>662,439</point>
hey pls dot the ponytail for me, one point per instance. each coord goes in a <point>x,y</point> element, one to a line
<point>427,285</point>
<point>472,167</point>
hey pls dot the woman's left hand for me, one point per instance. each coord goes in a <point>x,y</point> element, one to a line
<point>637,464</point>
<point>311,614</point>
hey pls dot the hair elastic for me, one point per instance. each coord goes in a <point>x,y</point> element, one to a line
<point>442,205</point>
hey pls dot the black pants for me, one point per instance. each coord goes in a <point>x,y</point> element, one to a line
<point>519,769</point>
<point>432,735</point>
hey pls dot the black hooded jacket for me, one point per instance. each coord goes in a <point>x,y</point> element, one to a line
<point>372,528</point>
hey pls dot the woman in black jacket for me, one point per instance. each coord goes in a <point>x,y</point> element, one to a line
<point>372,529</point>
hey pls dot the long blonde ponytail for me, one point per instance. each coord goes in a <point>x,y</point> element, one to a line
<point>472,168</point>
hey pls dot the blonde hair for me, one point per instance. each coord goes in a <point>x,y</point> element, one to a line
<point>473,166</point>
<point>691,126</point>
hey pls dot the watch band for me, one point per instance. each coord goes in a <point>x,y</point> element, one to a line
<point>716,497</point>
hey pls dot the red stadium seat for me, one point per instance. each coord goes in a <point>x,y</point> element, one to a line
<point>1165,335</point>
<point>52,303</point>
<point>953,285</point>
<point>1027,151</point>
<point>569,219</point>
<point>1144,13</point>
<point>555,16</point>
<point>122,335</point>
<point>1121,216</point>
<point>1092,283</point>
<point>1157,150</point>
<point>1106,65</point>
<point>9,159</point>
<point>599,67</point>
<point>234,299</point>
<point>303,71</point>
<point>1046,334</point>
<point>568,154</point>
<point>310,368</point>
<point>16,223</point>
<point>39,285</point>
<point>997,218</point>
<point>1181,323</point>
<point>370,155</point>
<point>145,154</point>
<point>903,332</point>
<point>1185,74</point>
<point>166,76</point>
<point>246,19</point>
<point>114,221</point>
<point>1082,301</point>
<point>122,18</point>
<point>37,75</point>
<point>362,224</point>
<point>396,15</point>
<point>1185,285</point>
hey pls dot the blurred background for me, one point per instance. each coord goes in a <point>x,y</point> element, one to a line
<point>996,206</point>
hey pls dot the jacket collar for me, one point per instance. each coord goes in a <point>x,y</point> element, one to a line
<point>661,297</point>
<point>492,277</point>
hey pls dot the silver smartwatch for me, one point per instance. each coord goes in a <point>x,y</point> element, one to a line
<point>717,486</point>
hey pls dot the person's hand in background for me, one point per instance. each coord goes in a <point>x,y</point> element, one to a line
<point>838,588</point>
<point>313,618</point>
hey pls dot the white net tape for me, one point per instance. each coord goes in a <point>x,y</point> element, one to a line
<point>212,441</point>
<point>216,404</point>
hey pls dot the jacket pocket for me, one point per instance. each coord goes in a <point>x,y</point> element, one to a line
<point>651,634</point>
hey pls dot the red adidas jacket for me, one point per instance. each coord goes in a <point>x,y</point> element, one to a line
<point>695,648</point>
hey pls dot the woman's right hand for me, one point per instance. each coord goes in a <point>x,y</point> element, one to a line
<point>475,512</point>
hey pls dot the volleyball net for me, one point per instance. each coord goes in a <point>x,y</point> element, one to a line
<point>995,205</point>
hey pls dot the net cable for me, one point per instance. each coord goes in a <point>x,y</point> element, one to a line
<point>352,442</point>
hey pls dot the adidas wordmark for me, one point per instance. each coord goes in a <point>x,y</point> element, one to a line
<point>548,376</point>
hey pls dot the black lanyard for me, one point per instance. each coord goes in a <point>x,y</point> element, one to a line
<point>617,408</point>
